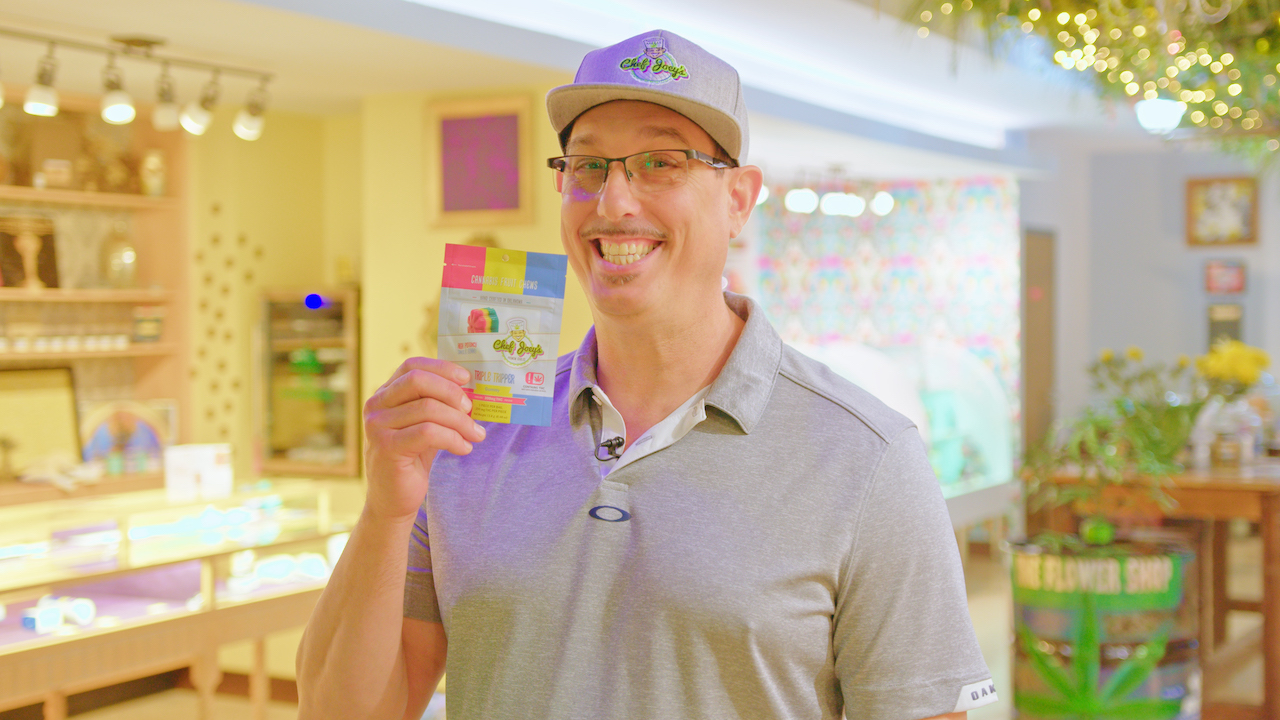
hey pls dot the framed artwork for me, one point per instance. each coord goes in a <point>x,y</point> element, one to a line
<point>128,437</point>
<point>1224,277</point>
<point>27,252</point>
<point>1222,211</point>
<point>479,162</point>
<point>38,419</point>
<point>1225,322</point>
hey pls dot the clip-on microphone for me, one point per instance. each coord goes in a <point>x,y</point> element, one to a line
<point>613,446</point>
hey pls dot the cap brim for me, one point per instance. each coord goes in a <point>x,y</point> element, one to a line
<point>567,102</point>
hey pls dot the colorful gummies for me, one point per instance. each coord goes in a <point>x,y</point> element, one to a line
<point>483,320</point>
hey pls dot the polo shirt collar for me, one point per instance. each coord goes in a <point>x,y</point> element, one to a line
<point>743,387</point>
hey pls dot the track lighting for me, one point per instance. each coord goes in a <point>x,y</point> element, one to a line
<point>164,117</point>
<point>117,106</point>
<point>249,121</point>
<point>196,116</point>
<point>42,99</point>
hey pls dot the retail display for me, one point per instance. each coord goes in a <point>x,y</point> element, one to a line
<point>310,396</point>
<point>76,574</point>
<point>499,312</point>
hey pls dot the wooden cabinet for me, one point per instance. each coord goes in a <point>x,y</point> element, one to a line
<point>122,343</point>
<point>309,394</point>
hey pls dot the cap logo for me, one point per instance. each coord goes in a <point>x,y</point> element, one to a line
<point>655,66</point>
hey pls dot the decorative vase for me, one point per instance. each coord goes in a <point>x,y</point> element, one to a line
<point>119,258</point>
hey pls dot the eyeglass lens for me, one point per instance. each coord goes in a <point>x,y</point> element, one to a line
<point>652,171</point>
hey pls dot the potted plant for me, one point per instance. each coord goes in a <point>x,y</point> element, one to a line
<point>1107,627</point>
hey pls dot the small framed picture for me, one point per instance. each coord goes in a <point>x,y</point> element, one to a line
<point>1222,211</point>
<point>1224,277</point>
<point>479,162</point>
<point>1225,322</point>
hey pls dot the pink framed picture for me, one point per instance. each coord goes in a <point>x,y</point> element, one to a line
<point>1224,277</point>
<point>479,167</point>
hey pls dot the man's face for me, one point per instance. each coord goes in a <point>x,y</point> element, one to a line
<point>638,253</point>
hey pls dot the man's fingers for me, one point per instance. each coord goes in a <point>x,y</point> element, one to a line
<point>426,438</point>
<point>416,384</point>
<point>443,368</point>
<point>429,410</point>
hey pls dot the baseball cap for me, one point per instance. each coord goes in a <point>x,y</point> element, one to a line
<point>665,69</point>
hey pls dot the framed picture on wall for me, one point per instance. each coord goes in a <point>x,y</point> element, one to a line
<point>1222,211</point>
<point>479,162</point>
<point>1224,277</point>
<point>1224,322</point>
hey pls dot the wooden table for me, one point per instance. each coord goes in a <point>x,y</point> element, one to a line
<point>1219,495</point>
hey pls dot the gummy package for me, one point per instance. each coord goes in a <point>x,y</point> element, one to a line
<point>500,319</point>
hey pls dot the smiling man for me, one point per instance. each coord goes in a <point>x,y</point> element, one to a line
<point>713,526</point>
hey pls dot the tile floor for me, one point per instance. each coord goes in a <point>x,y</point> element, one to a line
<point>990,605</point>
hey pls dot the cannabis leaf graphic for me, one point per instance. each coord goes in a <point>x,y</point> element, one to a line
<point>1077,686</point>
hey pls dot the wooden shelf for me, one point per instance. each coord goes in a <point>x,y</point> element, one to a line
<point>13,492</point>
<point>134,350</point>
<point>301,343</point>
<point>54,295</point>
<point>47,196</point>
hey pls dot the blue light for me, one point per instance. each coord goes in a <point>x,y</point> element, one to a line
<point>314,302</point>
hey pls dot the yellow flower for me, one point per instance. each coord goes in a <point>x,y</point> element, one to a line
<point>1183,362</point>
<point>1234,362</point>
<point>1134,352</point>
<point>1106,355</point>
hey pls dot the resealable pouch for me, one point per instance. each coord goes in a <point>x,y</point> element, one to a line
<point>500,316</point>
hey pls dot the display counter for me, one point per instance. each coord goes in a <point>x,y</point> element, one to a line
<point>99,590</point>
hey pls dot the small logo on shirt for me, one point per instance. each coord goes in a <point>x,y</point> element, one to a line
<point>609,513</point>
<point>976,695</point>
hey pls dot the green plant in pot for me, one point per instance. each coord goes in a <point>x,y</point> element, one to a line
<point>1103,624</point>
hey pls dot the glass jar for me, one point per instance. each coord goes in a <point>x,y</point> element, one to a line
<point>119,258</point>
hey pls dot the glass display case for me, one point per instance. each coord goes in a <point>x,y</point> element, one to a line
<point>96,590</point>
<point>309,422</point>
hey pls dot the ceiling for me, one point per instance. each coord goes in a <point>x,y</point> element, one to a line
<point>885,101</point>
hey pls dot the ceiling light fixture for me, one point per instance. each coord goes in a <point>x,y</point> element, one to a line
<point>164,117</point>
<point>42,99</point>
<point>882,203</point>
<point>763,196</point>
<point>1159,116</point>
<point>846,204</point>
<point>117,106</point>
<point>198,115</point>
<point>248,122</point>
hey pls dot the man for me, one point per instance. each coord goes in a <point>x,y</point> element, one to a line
<point>712,527</point>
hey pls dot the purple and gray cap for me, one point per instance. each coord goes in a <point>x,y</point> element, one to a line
<point>665,69</point>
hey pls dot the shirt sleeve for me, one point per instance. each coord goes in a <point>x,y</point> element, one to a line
<point>904,644</point>
<point>420,600</point>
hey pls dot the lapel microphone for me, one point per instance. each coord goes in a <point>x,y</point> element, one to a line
<point>613,446</point>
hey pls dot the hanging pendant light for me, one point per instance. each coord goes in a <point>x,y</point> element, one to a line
<point>164,117</point>
<point>249,121</point>
<point>197,116</point>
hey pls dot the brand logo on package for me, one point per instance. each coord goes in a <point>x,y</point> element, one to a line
<point>655,65</point>
<point>516,348</point>
<point>534,378</point>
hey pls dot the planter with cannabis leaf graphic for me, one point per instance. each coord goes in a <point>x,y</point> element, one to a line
<point>1105,632</point>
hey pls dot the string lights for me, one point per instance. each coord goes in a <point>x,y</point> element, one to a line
<point>117,105</point>
<point>1216,62</point>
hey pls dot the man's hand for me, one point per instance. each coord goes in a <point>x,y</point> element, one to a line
<point>421,409</point>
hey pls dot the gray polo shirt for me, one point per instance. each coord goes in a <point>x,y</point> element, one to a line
<point>789,557</point>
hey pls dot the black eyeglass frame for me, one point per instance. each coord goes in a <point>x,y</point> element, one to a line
<point>559,163</point>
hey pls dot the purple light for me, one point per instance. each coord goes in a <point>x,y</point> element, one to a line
<point>314,302</point>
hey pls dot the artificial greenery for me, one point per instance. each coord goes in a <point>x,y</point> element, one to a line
<point>1222,59</point>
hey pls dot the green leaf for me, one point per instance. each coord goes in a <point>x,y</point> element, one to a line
<point>1144,710</point>
<point>1086,661</point>
<point>1136,668</point>
<point>1047,666</point>
<point>1044,706</point>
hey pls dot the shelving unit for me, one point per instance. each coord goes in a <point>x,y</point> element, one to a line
<point>158,231</point>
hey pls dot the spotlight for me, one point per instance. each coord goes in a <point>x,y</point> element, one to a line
<point>165,115</point>
<point>248,124</point>
<point>1159,116</point>
<point>117,106</point>
<point>42,99</point>
<point>847,204</point>
<point>882,203</point>
<point>801,200</point>
<point>763,196</point>
<point>196,116</point>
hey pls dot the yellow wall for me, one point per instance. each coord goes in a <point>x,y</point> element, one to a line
<point>256,223</point>
<point>343,198</point>
<point>402,257</point>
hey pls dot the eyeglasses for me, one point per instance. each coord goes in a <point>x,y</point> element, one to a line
<point>583,176</point>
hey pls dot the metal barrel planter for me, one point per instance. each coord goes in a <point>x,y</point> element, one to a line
<point>1106,633</point>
